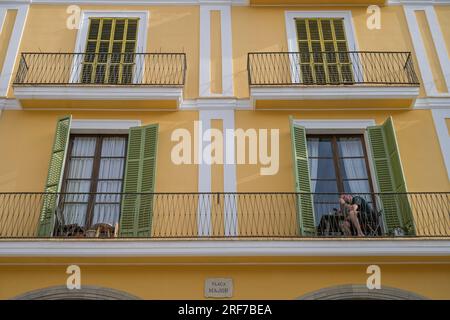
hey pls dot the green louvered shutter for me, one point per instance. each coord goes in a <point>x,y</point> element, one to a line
<point>54,178</point>
<point>137,209</point>
<point>389,172</point>
<point>305,207</point>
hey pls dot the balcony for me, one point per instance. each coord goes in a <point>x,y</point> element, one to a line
<point>195,216</point>
<point>102,80</point>
<point>316,2</point>
<point>332,79</point>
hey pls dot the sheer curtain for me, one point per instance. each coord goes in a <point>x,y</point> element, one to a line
<point>313,153</point>
<point>107,206</point>
<point>355,167</point>
<point>78,181</point>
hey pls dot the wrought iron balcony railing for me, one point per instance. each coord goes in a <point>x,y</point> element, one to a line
<point>141,69</point>
<point>331,68</point>
<point>221,215</point>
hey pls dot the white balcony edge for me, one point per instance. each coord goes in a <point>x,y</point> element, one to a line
<point>155,248</point>
<point>331,93</point>
<point>97,93</point>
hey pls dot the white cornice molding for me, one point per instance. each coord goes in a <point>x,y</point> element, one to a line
<point>334,124</point>
<point>9,104</point>
<point>101,93</point>
<point>418,2</point>
<point>222,248</point>
<point>102,126</point>
<point>332,93</point>
<point>216,104</point>
<point>132,2</point>
<point>432,103</point>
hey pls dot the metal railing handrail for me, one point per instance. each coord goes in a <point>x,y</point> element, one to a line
<point>121,68</point>
<point>221,215</point>
<point>331,68</point>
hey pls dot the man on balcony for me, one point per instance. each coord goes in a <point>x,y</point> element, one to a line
<point>351,206</point>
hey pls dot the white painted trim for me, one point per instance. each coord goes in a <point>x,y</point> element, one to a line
<point>418,2</point>
<point>143,16</point>
<point>432,103</point>
<point>440,124</point>
<point>135,2</point>
<point>419,48</point>
<point>13,48</point>
<point>226,248</point>
<point>216,104</point>
<point>86,126</point>
<point>291,31</point>
<point>352,124</point>
<point>332,93</point>
<point>205,51</point>
<point>229,172</point>
<point>10,104</point>
<point>227,52</point>
<point>343,126</point>
<point>81,41</point>
<point>94,93</point>
<point>3,11</point>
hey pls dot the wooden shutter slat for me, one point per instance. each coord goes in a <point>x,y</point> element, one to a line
<point>386,160</point>
<point>305,207</point>
<point>137,207</point>
<point>54,178</point>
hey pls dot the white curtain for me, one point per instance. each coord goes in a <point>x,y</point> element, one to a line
<point>313,153</point>
<point>80,167</point>
<point>107,207</point>
<point>355,168</point>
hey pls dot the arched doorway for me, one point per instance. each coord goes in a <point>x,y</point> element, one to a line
<point>85,293</point>
<point>356,291</point>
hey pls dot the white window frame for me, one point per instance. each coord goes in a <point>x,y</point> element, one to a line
<point>346,126</point>
<point>91,126</point>
<point>141,43</point>
<point>291,31</point>
<point>352,126</point>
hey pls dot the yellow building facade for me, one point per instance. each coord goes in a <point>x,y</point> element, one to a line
<point>162,145</point>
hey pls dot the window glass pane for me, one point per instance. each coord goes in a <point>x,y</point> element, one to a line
<point>111,169</point>
<point>321,168</point>
<point>324,186</point>
<point>356,186</point>
<point>109,187</point>
<point>80,168</point>
<point>84,146</point>
<point>350,147</point>
<point>77,187</point>
<point>352,168</point>
<point>319,147</point>
<point>113,147</point>
<point>106,214</point>
<point>74,214</point>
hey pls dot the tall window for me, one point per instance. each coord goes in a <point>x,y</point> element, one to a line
<point>338,164</point>
<point>323,48</point>
<point>110,51</point>
<point>95,164</point>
